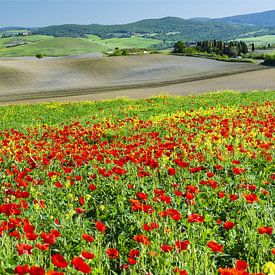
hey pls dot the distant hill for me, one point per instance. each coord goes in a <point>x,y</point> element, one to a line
<point>266,19</point>
<point>167,29</point>
<point>200,19</point>
<point>171,29</point>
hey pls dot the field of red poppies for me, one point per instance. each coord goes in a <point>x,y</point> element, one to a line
<point>166,185</point>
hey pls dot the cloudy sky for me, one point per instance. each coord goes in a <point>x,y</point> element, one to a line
<point>41,13</point>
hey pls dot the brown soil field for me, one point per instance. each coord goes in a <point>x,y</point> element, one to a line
<point>31,80</point>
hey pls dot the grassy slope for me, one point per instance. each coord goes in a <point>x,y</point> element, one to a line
<point>22,116</point>
<point>53,46</point>
<point>132,42</point>
<point>260,40</point>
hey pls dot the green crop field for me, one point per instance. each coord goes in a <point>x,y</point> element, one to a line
<point>53,46</point>
<point>131,42</point>
<point>163,185</point>
<point>50,46</point>
<point>260,40</point>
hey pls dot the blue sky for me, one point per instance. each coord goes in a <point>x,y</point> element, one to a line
<point>41,13</point>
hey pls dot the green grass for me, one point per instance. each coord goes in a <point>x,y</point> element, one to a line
<point>260,40</point>
<point>61,46</point>
<point>50,46</point>
<point>131,42</point>
<point>23,116</point>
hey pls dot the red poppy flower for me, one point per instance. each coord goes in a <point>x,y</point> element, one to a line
<point>35,270</point>
<point>251,198</point>
<point>81,201</point>
<point>88,238</point>
<point>15,234</point>
<point>180,271</point>
<point>134,253</point>
<point>195,218</point>
<point>132,261</point>
<point>59,261</point>
<point>79,210</point>
<point>238,171</point>
<point>24,249</point>
<point>171,171</point>
<point>87,255</point>
<point>21,269</point>
<point>192,189</point>
<point>273,251</point>
<point>241,265</point>
<point>233,197</point>
<point>228,225</point>
<point>100,226</point>
<point>52,272</point>
<point>80,265</point>
<point>265,230</point>
<point>210,174</point>
<point>150,227</point>
<point>215,247</point>
<point>182,245</point>
<point>112,253</point>
<point>240,269</point>
<point>166,248</point>
<point>92,187</point>
<point>141,239</point>
<point>142,196</point>
<point>43,247</point>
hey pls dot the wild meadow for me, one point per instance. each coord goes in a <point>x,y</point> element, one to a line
<point>164,185</point>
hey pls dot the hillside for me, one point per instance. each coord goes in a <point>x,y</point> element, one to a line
<point>266,19</point>
<point>168,28</point>
<point>53,77</point>
<point>62,46</point>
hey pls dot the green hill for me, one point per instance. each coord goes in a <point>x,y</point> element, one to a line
<point>62,46</point>
<point>260,40</point>
<point>266,18</point>
<point>168,29</point>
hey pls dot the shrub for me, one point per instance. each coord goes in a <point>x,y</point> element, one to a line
<point>39,55</point>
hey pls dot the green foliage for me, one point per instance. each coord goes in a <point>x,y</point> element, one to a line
<point>39,55</point>
<point>230,49</point>
<point>21,117</point>
<point>179,47</point>
<point>269,61</point>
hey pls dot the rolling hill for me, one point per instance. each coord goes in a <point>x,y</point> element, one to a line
<point>62,46</point>
<point>168,28</point>
<point>266,19</point>
<point>162,33</point>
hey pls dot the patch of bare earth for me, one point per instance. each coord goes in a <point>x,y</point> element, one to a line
<point>30,80</point>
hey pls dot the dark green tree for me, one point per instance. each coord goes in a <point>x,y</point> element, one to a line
<point>179,47</point>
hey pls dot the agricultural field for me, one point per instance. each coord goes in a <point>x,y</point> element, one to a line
<point>131,42</point>
<point>163,185</point>
<point>54,77</point>
<point>260,40</point>
<point>64,46</point>
<point>50,46</point>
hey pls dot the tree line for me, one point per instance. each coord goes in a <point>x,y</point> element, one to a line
<point>230,49</point>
